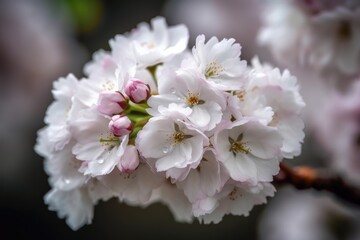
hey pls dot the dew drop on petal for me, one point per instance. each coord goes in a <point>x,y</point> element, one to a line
<point>65,180</point>
<point>172,90</point>
<point>100,161</point>
<point>165,150</point>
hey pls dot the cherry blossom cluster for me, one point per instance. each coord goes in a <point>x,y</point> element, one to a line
<point>200,131</point>
<point>320,34</point>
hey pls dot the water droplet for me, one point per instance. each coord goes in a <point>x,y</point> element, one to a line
<point>165,149</point>
<point>172,90</point>
<point>100,161</point>
<point>65,181</point>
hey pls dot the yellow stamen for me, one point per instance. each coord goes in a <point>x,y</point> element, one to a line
<point>213,69</point>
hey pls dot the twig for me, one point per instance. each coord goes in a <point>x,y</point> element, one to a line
<point>306,178</point>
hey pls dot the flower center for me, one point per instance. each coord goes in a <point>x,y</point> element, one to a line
<point>275,120</point>
<point>109,142</point>
<point>240,95</point>
<point>213,69</point>
<point>108,86</point>
<point>233,194</point>
<point>237,146</point>
<point>148,45</point>
<point>178,136</point>
<point>193,99</point>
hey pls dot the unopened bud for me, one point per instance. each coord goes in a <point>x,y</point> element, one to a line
<point>111,103</point>
<point>130,160</point>
<point>137,90</point>
<point>120,125</point>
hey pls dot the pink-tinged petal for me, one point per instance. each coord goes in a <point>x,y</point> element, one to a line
<point>204,206</point>
<point>266,169</point>
<point>134,187</point>
<point>159,129</point>
<point>210,175</point>
<point>177,158</point>
<point>192,187</point>
<point>74,205</point>
<point>177,202</point>
<point>264,142</point>
<point>200,116</point>
<point>241,168</point>
<point>177,174</point>
<point>88,151</point>
<point>291,130</point>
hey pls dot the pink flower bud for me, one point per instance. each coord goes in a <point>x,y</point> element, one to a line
<point>120,125</point>
<point>130,160</point>
<point>137,90</point>
<point>111,103</point>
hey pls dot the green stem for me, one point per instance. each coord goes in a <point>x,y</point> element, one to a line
<point>136,108</point>
<point>152,70</point>
<point>109,140</point>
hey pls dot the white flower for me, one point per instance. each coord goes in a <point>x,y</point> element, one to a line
<point>77,205</point>
<point>249,151</point>
<point>90,91</point>
<point>177,144</point>
<point>176,201</point>
<point>265,74</point>
<point>159,44</point>
<point>235,199</point>
<point>59,112</point>
<point>133,187</point>
<point>272,98</point>
<point>43,146</point>
<point>218,62</point>
<point>63,170</point>
<point>102,65</point>
<point>244,103</point>
<point>187,91</point>
<point>280,92</point>
<point>204,181</point>
<point>289,125</point>
<point>95,145</point>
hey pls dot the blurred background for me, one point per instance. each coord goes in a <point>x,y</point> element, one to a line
<point>42,40</point>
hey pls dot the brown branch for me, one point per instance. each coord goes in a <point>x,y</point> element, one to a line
<point>306,178</point>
